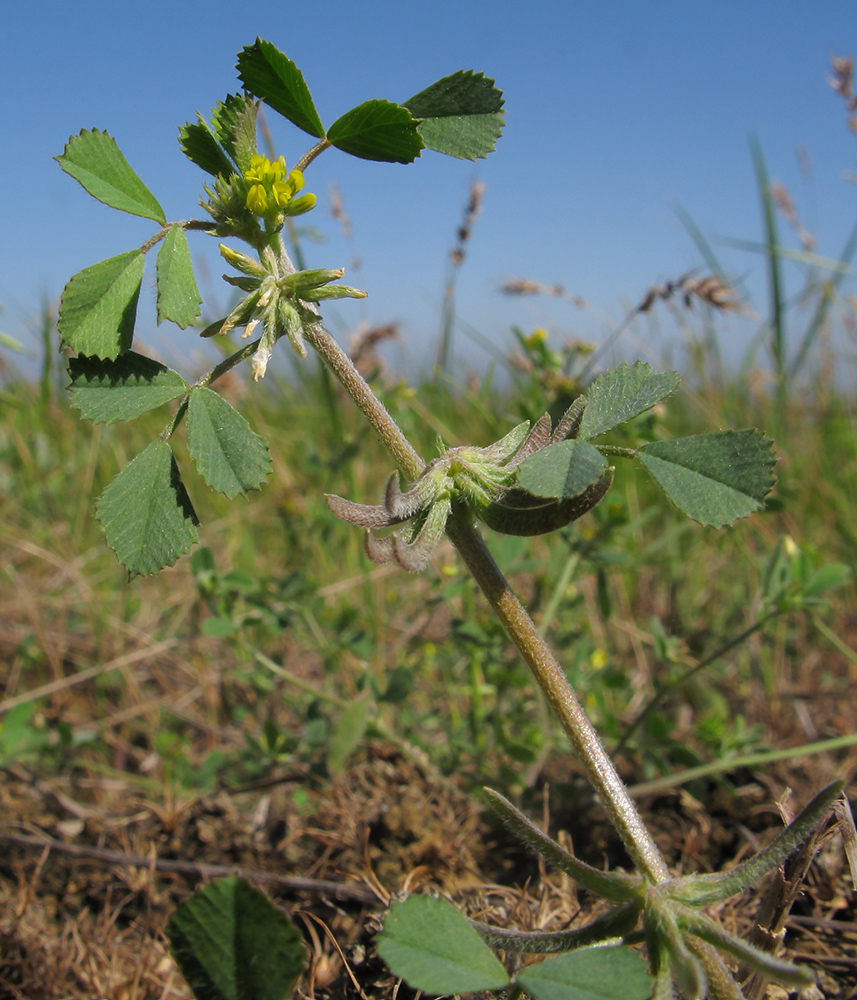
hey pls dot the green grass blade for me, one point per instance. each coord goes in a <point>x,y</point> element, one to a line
<point>702,244</point>
<point>777,317</point>
<point>825,300</point>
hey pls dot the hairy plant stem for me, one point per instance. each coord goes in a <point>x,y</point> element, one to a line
<point>554,685</point>
<point>518,624</point>
<point>366,401</point>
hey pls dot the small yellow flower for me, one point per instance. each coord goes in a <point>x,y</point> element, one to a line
<point>257,199</point>
<point>271,192</point>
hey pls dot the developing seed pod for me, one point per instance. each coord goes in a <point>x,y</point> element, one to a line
<point>521,513</point>
<point>361,514</point>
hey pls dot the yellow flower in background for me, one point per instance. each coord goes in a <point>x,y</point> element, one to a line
<point>598,659</point>
<point>538,336</point>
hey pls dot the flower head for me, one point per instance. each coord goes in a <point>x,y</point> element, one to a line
<point>271,192</point>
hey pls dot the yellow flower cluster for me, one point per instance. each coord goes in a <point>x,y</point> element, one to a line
<point>536,338</point>
<point>271,192</point>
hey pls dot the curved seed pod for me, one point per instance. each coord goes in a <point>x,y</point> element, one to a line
<point>379,550</point>
<point>242,262</point>
<point>400,505</point>
<point>520,513</point>
<point>247,284</point>
<point>414,555</point>
<point>568,427</point>
<point>364,515</point>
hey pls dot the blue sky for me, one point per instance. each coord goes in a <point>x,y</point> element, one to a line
<point>615,111</point>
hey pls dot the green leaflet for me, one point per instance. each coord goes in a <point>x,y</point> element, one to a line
<point>232,943</point>
<point>99,306</point>
<point>228,455</point>
<point>713,478</point>
<point>431,944</point>
<point>94,160</point>
<point>269,74</point>
<point>107,391</point>
<point>623,393</point>
<point>461,115</point>
<point>378,130</point>
<point>227,142</point>
<point>562,470</point>
<point>146,513</point>
<point>613,973</point>
<point>199,144</point>
<point>234,121</point>
<point>178,297</point>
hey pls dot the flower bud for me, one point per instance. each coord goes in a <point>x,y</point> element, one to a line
<point>241,262</point>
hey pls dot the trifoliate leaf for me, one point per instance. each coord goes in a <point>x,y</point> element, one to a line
<point>146,513</point>
<point>228,455</point>
<point>269,74</point>
<point>378,130</point>
<point>232,943</point>
<point>612,973</point>
<point>562,470</point>
<point>713,478</point>
<point>430,943</point>
<point>99,306</point>
<point>199,144</point>
<point>107,391</point>
<point>462,115</point>
<point>94,160</point>
<point>178,297</point>
<point>623,393</point>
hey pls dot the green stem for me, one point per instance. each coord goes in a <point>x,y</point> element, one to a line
<point>753,760</point>
<point>311,154</point>
<point>833,638</point>
<point>554,685</point>
<point>227,364</point>
<point>366,401</point>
